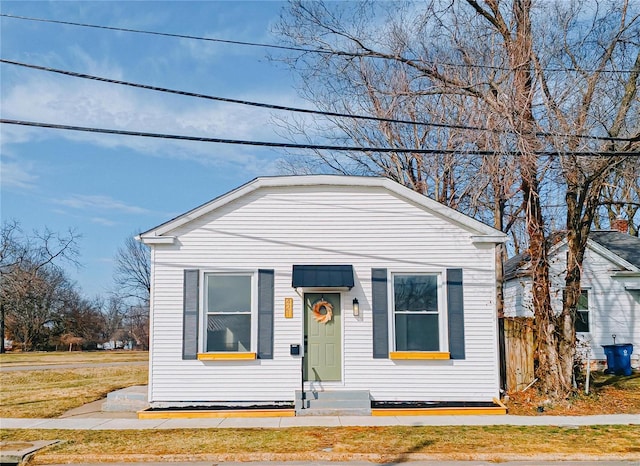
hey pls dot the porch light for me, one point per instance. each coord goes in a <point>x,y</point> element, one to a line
<point>356,307</point>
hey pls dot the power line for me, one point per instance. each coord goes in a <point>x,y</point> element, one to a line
<point>286,145</point>
<point>241,102</point>
<point>285,47</point>
<point>299,110</point>
<point>164,34</point>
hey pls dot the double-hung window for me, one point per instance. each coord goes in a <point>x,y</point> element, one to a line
<point>228,303</point>
<point>417,312</point>
<point>581,323</point>
<point>582,314</point>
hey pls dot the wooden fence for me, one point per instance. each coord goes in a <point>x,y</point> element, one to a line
<point>518,352</point>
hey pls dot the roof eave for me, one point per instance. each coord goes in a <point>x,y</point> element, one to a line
<point>153,240</point>
<point>489,239</point>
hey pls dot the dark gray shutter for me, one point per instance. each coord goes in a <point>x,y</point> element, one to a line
<point>190,316</point>
<point>455,307</point>
<point>380,313</point>
<point>265,313</point>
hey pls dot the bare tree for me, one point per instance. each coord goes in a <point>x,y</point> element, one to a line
<point>114,312</point>
<point>621,198</point>
<point>31,280</point>
<point>536,75</point>
<point>598,103</point>
<point>132,275</point>
<point>78,318</point>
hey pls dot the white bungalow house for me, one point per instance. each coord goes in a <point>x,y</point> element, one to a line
<point>323,294</point>
<point>609,307</point>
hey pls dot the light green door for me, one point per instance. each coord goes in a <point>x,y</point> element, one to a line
<point>323,337</point>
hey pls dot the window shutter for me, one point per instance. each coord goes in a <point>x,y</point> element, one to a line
<point>265,313</point>
<point>455,307</point>
<point>380,313</point>
<point>190,314</point>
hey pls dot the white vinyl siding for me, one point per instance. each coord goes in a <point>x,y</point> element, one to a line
<point>612,309</point>
<point>368,227</point>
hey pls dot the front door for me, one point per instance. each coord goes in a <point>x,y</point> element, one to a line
<point>323,337</point>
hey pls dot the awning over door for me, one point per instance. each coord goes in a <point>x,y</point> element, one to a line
<point>322,276</point>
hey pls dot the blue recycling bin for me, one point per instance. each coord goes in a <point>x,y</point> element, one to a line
<point>618,358</point>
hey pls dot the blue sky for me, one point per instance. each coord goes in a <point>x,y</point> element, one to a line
<point>108,187</point>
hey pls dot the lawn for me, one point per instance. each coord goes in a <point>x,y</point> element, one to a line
<point>70,357</point>
<point>51,392</point>
<point>380,444</point>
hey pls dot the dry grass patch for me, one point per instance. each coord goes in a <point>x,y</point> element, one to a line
<point>51,392</point>
<point>70,357</point>
<point>610,394</point>
<point>390,444</point>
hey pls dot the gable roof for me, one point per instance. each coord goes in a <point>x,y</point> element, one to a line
<point>515,266</point>
<point>621,248</point>
<point>622,245</point>
<point>161,234</point>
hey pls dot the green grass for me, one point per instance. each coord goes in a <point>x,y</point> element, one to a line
<point>383,444</point>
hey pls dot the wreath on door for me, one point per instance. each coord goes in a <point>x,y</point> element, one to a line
<point>317,309</point>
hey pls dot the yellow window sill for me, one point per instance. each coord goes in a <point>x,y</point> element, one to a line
<point>225,356</point>
<point>419,355</point>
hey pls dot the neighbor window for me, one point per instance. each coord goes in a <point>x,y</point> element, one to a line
<point>228,299</point>
<point>582,316</point>
<point>582,311</point>
<point>416,312</point>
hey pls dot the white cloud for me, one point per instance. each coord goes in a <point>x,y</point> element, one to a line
<point>16,175</point>
<point>99,203</point>
<point>65,101</point>
<point>103,221</point>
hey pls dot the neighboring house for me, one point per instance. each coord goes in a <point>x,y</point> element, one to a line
<point>610,282</point>
<point>353,286</point>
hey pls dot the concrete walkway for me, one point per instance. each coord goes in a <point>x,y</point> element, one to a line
<point>95,423</point>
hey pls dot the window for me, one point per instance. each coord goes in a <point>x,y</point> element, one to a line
<point>416,312</point>
<point>582,311</point>
<point>582,316</point>
<point>228,304</point>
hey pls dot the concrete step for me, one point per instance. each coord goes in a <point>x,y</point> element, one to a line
<point>333,412</point>
<point>333,403</point>
<point>322,403</point>
<point>336,394</point>
<point>128,399</point>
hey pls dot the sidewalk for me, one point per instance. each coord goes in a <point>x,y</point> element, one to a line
<point>96,423</point>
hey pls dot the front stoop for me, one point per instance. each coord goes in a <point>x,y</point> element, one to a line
<point>128,399</point>
<point>333,403</point>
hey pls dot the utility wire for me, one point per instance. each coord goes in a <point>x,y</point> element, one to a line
<point>283,47</point>
<point>241,102</point>
<point>287,145</point>
<point>299,110</point>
